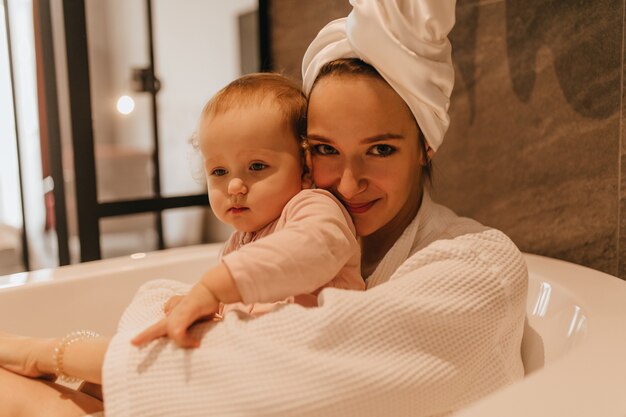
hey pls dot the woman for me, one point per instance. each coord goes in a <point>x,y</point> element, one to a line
<point>441,322</point>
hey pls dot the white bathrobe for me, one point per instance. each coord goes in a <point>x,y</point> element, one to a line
<point>439,327</point>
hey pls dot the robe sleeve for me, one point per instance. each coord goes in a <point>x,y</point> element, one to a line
<point>314,242</point>
<point>445,330</point>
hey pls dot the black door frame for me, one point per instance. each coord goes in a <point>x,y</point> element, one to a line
<point>7,26</point>
<point>89,209</point>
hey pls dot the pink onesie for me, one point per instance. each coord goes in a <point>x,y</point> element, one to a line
<point>311,246</point>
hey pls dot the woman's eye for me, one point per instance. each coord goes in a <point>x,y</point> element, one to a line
<point>382,150</point>
<point>257,166</point>
<point>218,172</point>
<point>324,150</point>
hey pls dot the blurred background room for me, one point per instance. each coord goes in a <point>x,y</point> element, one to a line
<point>100,97</point>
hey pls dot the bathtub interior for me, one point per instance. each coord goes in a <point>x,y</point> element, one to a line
<point>556,322</point>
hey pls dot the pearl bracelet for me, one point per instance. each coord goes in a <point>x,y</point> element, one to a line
<point>59,352</point>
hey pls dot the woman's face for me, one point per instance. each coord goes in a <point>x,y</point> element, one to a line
<point>365,150</point>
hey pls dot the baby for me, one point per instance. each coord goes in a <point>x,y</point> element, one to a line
<point>290,241</point>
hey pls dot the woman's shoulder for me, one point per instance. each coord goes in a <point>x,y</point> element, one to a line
<point>443,235</point>
<point>440,240</point>
<point>446,224</point>
<point>481,253</point>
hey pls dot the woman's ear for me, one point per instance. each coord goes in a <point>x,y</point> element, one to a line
<point>426,156</point>
<point>307,166</point>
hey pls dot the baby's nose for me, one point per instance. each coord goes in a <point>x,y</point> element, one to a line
<point>237,186</point>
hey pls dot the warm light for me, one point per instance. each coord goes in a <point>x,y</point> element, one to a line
<point>543,300</point>
<point>125,105</point>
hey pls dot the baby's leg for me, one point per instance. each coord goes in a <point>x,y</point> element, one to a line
<point>21,396</point>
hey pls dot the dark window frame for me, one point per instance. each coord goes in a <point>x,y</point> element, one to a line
<point>89,209</point>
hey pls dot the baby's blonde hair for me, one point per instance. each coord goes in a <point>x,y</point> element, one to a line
<point>261,88</point>
<point>258,89</point>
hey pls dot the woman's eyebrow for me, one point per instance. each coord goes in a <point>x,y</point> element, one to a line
<point>377,138</point>
<point>318,138</point>
<point>383,137</point>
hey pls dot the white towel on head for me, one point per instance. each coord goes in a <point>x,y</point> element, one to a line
<point>407,42</point>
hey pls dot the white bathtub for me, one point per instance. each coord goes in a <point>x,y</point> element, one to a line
<point>575,347</point>
<point>91,295</point>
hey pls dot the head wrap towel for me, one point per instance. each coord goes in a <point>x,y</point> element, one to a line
<point>407,42</point>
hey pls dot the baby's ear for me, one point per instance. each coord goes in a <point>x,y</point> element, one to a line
<point>307,166</point>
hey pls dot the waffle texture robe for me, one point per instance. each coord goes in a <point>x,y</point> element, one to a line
<point>439,326</point>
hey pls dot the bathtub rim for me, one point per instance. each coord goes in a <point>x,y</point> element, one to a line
<point>92,269</point>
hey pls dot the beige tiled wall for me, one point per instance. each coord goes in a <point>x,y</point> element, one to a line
<point>534,146</point>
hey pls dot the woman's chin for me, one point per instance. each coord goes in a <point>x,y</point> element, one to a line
<point>364,228</point>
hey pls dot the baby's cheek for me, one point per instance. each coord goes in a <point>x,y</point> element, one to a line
<point>216,200</point>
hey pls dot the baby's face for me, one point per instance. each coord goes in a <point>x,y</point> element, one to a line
<point>252,163</point>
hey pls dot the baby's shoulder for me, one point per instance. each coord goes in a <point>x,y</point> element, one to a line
<point>316,204</point>
<point>314,196</point>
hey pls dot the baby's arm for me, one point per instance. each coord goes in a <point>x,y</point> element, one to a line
<point>216,286</point>
<point>313,241</point>
<point>229,246</point>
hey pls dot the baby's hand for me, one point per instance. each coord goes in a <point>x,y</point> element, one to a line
<point>198,304</point>
<point>171,303</point>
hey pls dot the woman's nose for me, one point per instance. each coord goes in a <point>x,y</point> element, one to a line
<point>236,186</point>
<point>350,183</point>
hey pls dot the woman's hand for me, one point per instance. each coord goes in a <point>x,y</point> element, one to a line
<point>27,356</point>
<point>199,304</point>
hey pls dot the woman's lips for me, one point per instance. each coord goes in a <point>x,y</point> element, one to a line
<point>359,208</point>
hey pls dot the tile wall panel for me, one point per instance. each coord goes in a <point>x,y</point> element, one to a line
<point>534,139</point>
<point>622,193</point>
<point>294,24</point>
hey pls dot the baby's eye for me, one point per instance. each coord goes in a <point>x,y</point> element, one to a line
<point>218,172</point>
<point>323,149</point>
<point>257,166</point>
<point>382,150</point>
